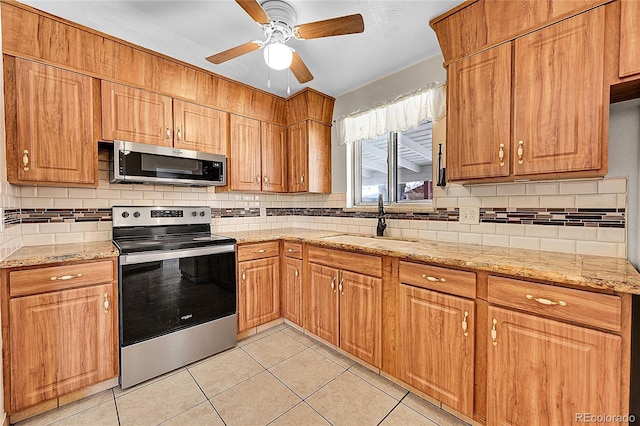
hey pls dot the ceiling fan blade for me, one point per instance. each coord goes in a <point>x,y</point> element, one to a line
<point>253,8</point>
<point>350,24</point>
<point>300,70</point>
<point>234,52</point>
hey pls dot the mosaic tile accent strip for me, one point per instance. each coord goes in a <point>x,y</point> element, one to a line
<point>63,215</point>
<point>606,218</point>
<point>11,217</point>
<point>245,212</point>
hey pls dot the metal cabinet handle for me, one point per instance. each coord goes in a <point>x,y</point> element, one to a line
<point>333,284</point>
<point>520,152</point>
<point>501,155</point>
<point>340,286</point>
<point>168,133</point>
<point>465,325</point>
<point>266,180</point>
<point>243,275</point>
<point>257,179</point>
<point>433,279</point>
<point>297,273</point>
<point>106,303</point>
<point>65,277</point>
<point>25,160</point>
<point>547,302</point>
<point>260,251</point>
<point>292,250</point>
<point>494,332</point>
<point>302,179</point>
<point>178,134</point>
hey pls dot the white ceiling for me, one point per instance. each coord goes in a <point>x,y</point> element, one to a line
<point>397,35</point>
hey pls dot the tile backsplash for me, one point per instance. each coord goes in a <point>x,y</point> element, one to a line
<point>577,216</point>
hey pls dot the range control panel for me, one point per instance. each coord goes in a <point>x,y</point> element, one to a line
<point>149,216</point>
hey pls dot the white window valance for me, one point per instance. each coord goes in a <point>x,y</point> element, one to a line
<point>400,114</point>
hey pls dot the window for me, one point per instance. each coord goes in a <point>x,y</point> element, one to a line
<point>397,165</point>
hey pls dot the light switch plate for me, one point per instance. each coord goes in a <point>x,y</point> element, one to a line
<point>470,215</point>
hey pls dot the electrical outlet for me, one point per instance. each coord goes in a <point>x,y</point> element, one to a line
<point>470,215</point>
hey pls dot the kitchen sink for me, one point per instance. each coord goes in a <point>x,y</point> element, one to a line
<point>373,242</point>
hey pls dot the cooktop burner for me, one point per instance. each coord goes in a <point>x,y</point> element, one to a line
<point>144,229</point>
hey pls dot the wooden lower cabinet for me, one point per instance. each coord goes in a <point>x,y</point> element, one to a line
<point>59,329</point>
<point>345,309</point>
<point>545,372</point>
<point>64,342</point>
<point>258,293</point>
<point>292,289</point>
<point>436,345</point>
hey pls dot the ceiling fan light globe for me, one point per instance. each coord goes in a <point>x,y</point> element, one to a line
<point>278,56</point>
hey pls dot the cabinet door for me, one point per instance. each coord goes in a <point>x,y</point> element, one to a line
<point>55,115</point>
<point>200,128</point>
<point>321,302</point>
<point>135,115</point>
<point>274,154</point>
<point>436,345</point>
<point>259,295</point>
<point>629,38</point>
<point>292,289</point>
<point>542,371</point>
<point>558,98</point>
<point>361,316</point>
<point>298,158</point>
<point>479,120</point>
<point>244,157</point>
<point>319,158</point>
<point>62,342</point>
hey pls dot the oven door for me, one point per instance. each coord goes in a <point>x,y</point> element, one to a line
<point>163,292</point>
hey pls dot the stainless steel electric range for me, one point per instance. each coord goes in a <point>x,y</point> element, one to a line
<point>177,295</point>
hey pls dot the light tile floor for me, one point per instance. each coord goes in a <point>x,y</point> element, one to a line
<point>277,377</point>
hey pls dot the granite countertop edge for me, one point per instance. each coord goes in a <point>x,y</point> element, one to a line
<point>59,253</point>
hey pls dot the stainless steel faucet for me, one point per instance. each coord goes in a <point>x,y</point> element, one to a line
<point>382,224</point>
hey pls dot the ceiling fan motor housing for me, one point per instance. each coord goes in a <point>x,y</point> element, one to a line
<point>283,17</point>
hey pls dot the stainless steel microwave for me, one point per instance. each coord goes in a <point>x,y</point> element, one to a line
<point>142,163</point>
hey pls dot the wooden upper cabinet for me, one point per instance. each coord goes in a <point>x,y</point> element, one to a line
<point>245,155</point>
<point>200,128</point>
<point>629,38</point>
<point>558,97</point>
<point>274,154</point>
<point>436,353</point>
<point>309,157</point>
<point>478,119</point>
<point>61,342</point>
<point>542,371</point>
<point>51,135</point>
<point>136,115</point>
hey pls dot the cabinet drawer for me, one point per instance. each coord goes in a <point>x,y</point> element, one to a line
<point>258,250</point>
<point>356,262</point>
<point>291,249</point>
<point>597,310</point>
<point>460,283</point>
<point>52,278</point>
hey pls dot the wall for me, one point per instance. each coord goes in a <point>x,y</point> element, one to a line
<point>624,158</point>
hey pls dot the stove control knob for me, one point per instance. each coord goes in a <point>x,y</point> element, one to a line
<point>136,214</point>
<point>125,214</point>
<point>193,214</point>
<point>202,213</point>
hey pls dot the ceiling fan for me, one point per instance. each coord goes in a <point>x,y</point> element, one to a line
<point>278,21</point>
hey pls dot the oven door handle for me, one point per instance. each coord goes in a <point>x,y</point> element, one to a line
<point>132,259</point>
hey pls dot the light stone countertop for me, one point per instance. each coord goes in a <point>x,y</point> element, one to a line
<point>57,253</point>
<point>597,272</point>
<point>582,270</point>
